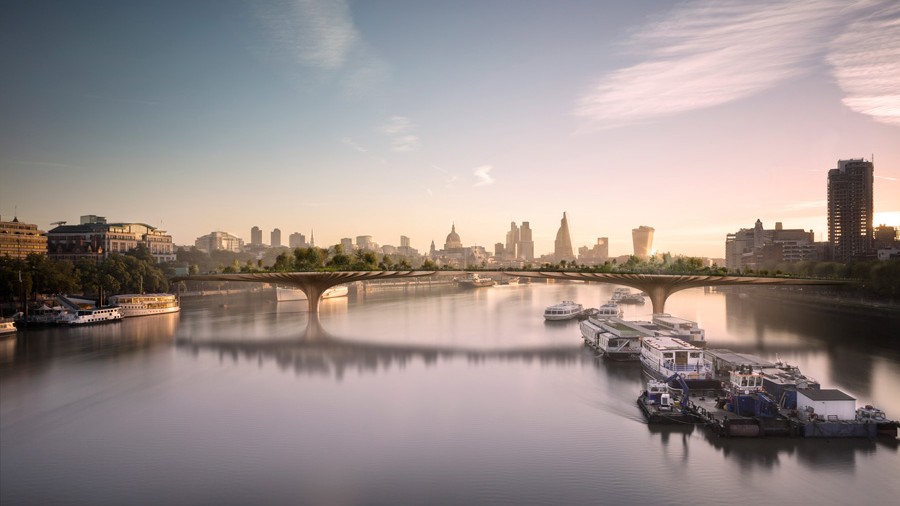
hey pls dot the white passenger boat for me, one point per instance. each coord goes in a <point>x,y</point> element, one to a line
<point>609,310</point>
<point>288,293</point>
<point>7,326</point>
<point>565,310</point>
<point>140,304</point>
<point>663,356</point>
<point>96,315</point>
<point>615,338</point>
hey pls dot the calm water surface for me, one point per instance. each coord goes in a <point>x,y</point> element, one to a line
<point>427,397</point>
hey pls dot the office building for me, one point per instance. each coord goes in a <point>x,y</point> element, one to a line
<point>642,237</point>
<point>562,249</point>
<point>595,255</point>
<point>756,248</point>
<point>18,239</point>
<point>850,188</point>
<point>526,244</point>
<point>95,238</point>
<point>219,241</point>
<point>255,236</point>
<point>297,240</point>
<point>276,238</point>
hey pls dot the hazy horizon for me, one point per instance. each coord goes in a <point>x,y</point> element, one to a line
<point>403,118</point>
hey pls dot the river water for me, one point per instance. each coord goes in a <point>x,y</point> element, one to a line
<point>431,396</point>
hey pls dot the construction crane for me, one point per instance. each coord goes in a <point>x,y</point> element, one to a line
<point>57,223</point>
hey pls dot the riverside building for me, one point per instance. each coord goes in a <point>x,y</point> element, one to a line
<point>95,238</point>
<point>757,247</point>
<point>850,232</point>
<point>219,241</point>
<point>18,239</point>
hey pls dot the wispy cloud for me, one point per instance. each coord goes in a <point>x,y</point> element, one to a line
<point>709,53</point>
<point>483,174</point>
<point>400,129</point>
<point>354,146</point>
<point>317,33</point>
<point>886,178</point>
<point>866,62</point>
<point>319,36</point>
<point>449,179</point>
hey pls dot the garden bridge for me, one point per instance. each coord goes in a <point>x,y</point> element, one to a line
<point>658,287</point>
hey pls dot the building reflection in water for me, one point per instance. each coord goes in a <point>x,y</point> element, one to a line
<point>41,346</point>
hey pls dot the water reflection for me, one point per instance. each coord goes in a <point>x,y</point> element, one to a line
<point>317,352</point>
<point>39,347</point>
<point>816,454</point>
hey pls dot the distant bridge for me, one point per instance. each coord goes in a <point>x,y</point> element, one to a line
<point>657,286</point>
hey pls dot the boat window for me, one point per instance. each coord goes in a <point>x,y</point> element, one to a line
<point>695,354</point>
<point>667,355</point>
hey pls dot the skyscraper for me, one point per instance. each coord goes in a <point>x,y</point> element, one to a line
<point>276,238</point>
<point>511,249</point>
<point>850,231</point>
<point>256,236</point>
<point>643,241</point>
<point>563,246</point>
<point>526,245</point>
<point>297,240</point>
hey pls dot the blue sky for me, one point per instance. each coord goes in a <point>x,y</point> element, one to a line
<point>401,118</point>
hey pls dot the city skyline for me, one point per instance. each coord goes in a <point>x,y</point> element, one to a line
<point>405,119</point>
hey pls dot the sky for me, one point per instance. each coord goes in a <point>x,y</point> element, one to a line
<point>388,118</point>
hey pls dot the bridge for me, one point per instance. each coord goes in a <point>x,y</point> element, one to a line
<point>658,287</point>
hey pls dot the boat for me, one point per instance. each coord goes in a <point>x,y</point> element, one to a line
<point>609,310</point>
<point>615,338</point>
<point>508,281</point>
<point>619,293</point>
<point>624,295</point>
<point>137,304</point>
<point>44,315</point>
<point>632,298</point>
<point>289,293</point>
<point>91,316</point>
<point>565,310</point>
<point>663,356</point>
<point>680,328</point>
<point>666,405</point>
<point>7,326</point>
<point>473,280</point>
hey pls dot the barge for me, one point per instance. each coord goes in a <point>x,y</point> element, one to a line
<point>743,408</point>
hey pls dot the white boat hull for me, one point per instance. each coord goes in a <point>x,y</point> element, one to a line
<point>131,305</point>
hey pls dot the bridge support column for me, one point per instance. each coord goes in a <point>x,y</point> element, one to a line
<point>658,295</point>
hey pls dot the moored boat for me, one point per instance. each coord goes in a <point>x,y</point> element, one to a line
<point>7,326</point>
<point>473,280</point>
<point>565,310</point>
<point>94,315</point>
<point>134,304</point>
<point>663,356</point>
<point>609,310</point>
<point>615,338</point>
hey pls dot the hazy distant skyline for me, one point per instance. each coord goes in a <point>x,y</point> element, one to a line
<point>404,117</point>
